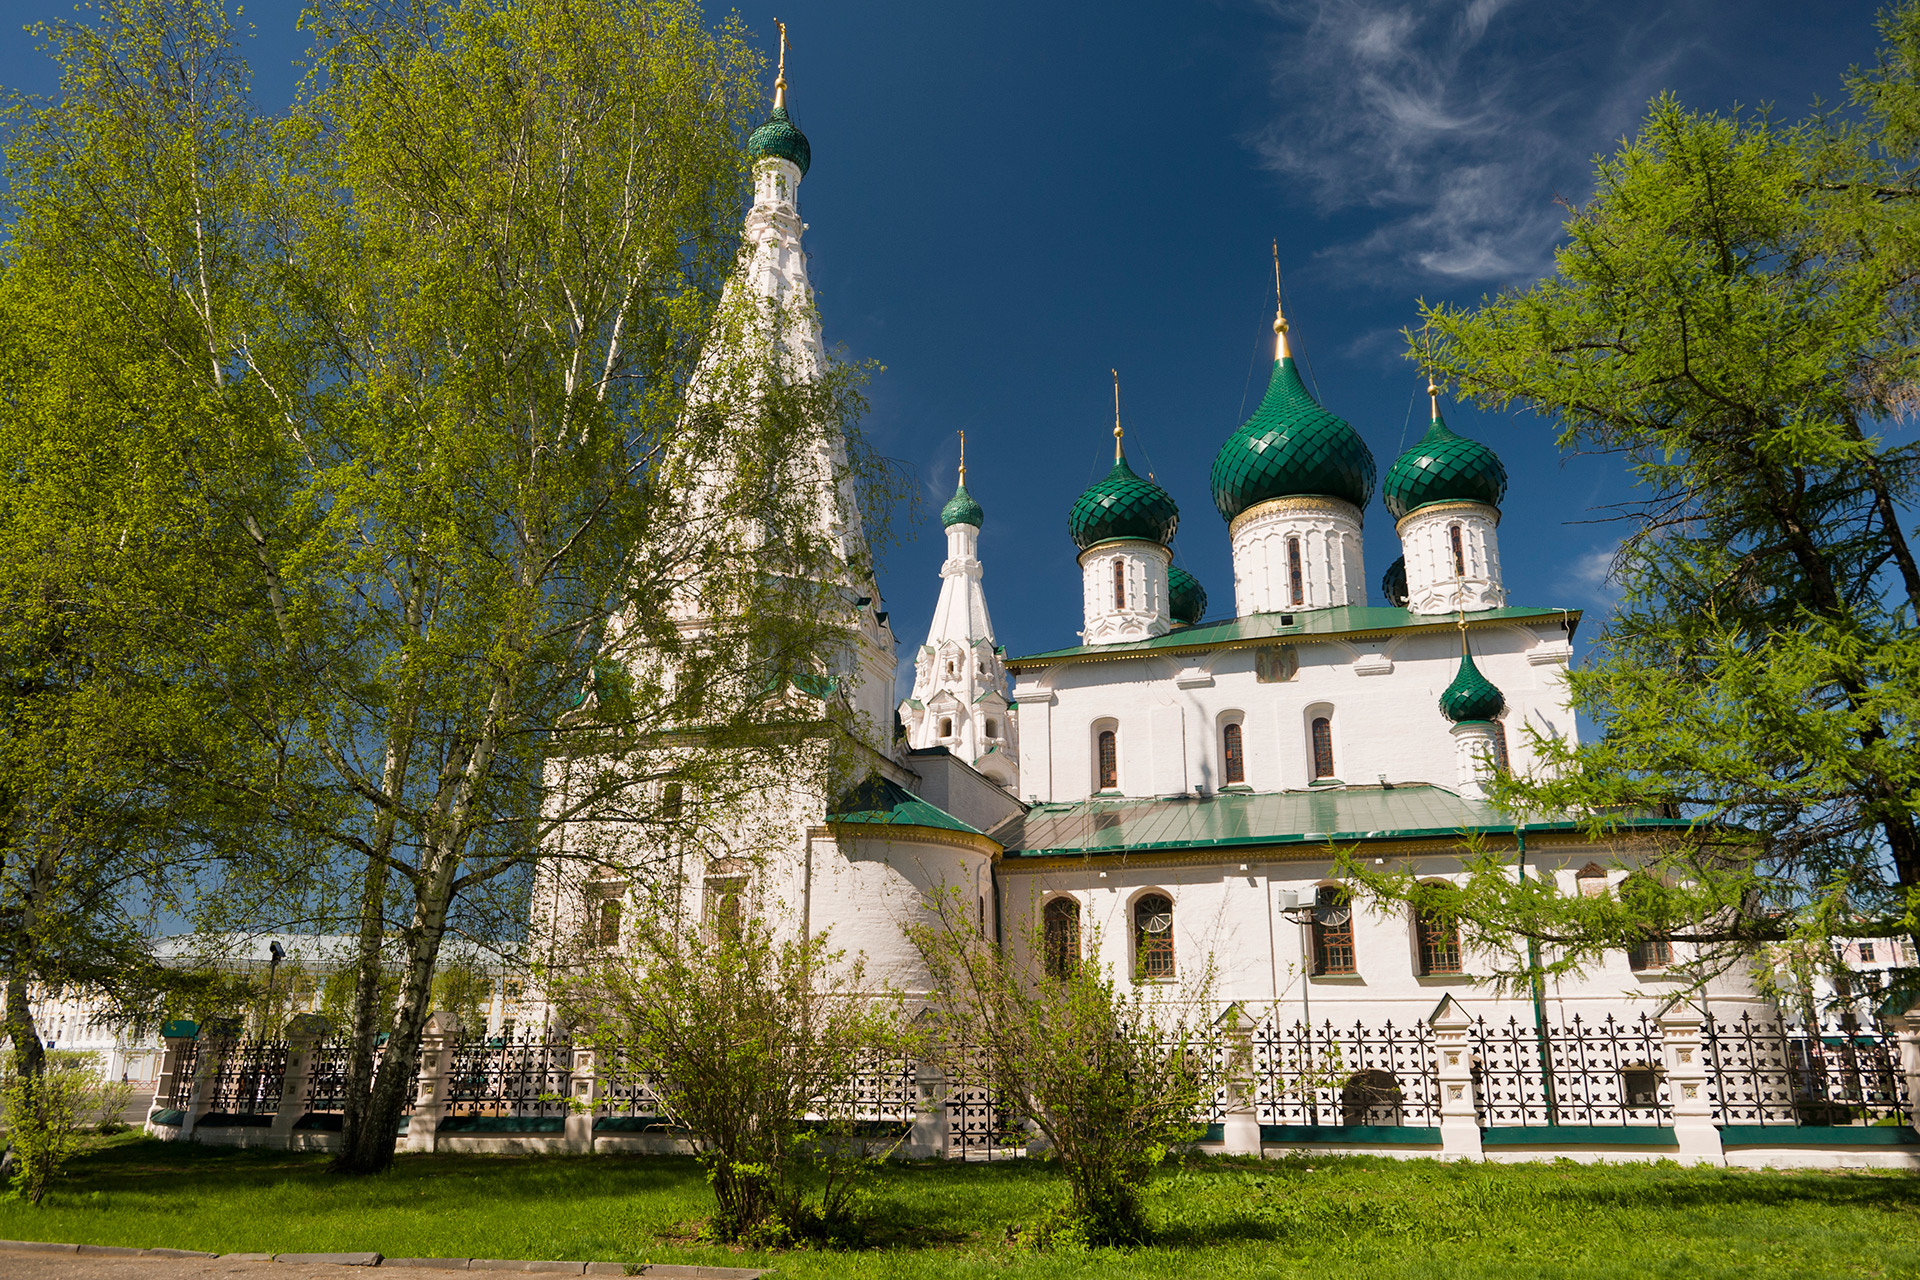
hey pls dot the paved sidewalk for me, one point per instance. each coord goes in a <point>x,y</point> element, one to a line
<point>68,1266</point>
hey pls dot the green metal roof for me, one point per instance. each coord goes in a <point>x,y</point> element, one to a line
<point>1122,505</point>
<point>779,136</point>
<point>1187,599</point>
<point>1308,624</point>
<point>1278,817</point>
<point>880,803</point>
<point>961,509</point>
<point>1393,583</point>
<point>1290,446</point>
<point>1443,467</point>
<point>1471,696</point>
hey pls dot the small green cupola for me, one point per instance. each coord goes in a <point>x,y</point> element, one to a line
<point>1290,447</point>
<point>1122,505</point>
<point>961,509</point>
<point>1186,598</point>
<point>1471,696</point>
<point>779,137</point>
<point>1443,467</point>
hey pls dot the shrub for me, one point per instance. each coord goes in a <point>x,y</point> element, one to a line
<point>1113,1078</point>
<point>753,1047</point>
<point>43,1117</point>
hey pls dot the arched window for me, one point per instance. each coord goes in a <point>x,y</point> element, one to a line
<point>1153,937</point>
<point>1109,761</point>
<point>993,727</point>
<point>1061,926</point>
<point>672,802</point>
<point>1296,575</point>
<point>1233,759</point>
<point>1119,583</point>
<point>1437,931</point>
<point>1459,551</point>
<point>1332,932</point>
<point>609,922</point>
<point>1322,748</point>
<point>946,727</point>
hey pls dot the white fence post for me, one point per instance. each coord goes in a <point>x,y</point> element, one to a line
<point>305,1031</point>
<point>1686,1063</point>
<point>1907,1033</point>
<point>1459,1104</point>
<point>1241,1130</point>
<point>217,1036</point>
<point>175,1036</point>
<point>584,1101</point>
<point>429,1089</point>
<point>928,1137</point>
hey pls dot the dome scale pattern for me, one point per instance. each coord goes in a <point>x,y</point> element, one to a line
<point>1443,467</point>
<point>1186,598</point>
<point>778,137</point>
<point>1123,506</point>
<point>1291,447</point>
<point>961,509</point>
<point>1471,696</point>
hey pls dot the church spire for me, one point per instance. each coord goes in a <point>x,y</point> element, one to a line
<point>1281,349</point>
<point>1118,454</point>
<point>780,76</point>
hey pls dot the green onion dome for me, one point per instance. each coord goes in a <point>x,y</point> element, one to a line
<point>1393,583</point>
<point>961,509</point>
<point>1291,447</point>
<point>1471,696</point>
<point>1123,506</point>
<point>1187,599</point>
<point>1443,467</point>
<point>778,137</point>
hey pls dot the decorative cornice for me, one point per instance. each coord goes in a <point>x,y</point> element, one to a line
<point>1444,508</point>
<point>1300,851</point>
<point>906,833</point>
<point>1140,546</point>
<point>1300,505</point>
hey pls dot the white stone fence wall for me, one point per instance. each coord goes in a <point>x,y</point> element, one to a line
<point>1678,1086</point>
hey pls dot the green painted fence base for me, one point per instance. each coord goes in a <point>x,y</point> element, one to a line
<point>1578,1135</point>
<point>503,1124</point>
<point>1818,1135</point>
<point>1352,1135</point>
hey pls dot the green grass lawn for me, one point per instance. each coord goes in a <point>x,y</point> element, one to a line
<point>1347,1218</point>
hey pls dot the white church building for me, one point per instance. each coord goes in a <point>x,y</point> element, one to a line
<point>1171,786</point>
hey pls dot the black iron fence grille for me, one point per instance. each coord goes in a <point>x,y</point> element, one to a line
<point>327,1077</point>
<point>979,1124</point>
<point>1358,1075</point>
<point>1584,1073</point>
<point>525,1074</point>
<point>247,1080</point>
<point>185,1065</point>
<point>624,1092</point>
<point>1768,1073</point>
<point>328,1070</point>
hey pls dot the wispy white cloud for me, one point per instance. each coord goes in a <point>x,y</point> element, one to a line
<point>1589,578</point>
<point>1459,121</point>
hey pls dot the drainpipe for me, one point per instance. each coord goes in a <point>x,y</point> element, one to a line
<point>1539,985</point>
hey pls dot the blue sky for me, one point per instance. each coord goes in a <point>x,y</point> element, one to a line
<point>1008,199</point>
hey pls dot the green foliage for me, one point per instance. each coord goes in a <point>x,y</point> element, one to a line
<point>43,1111</point>
<point>405,443</point>
<point>752,1047</point>
<point>1732,314</point>
<point>1112,1076</point>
